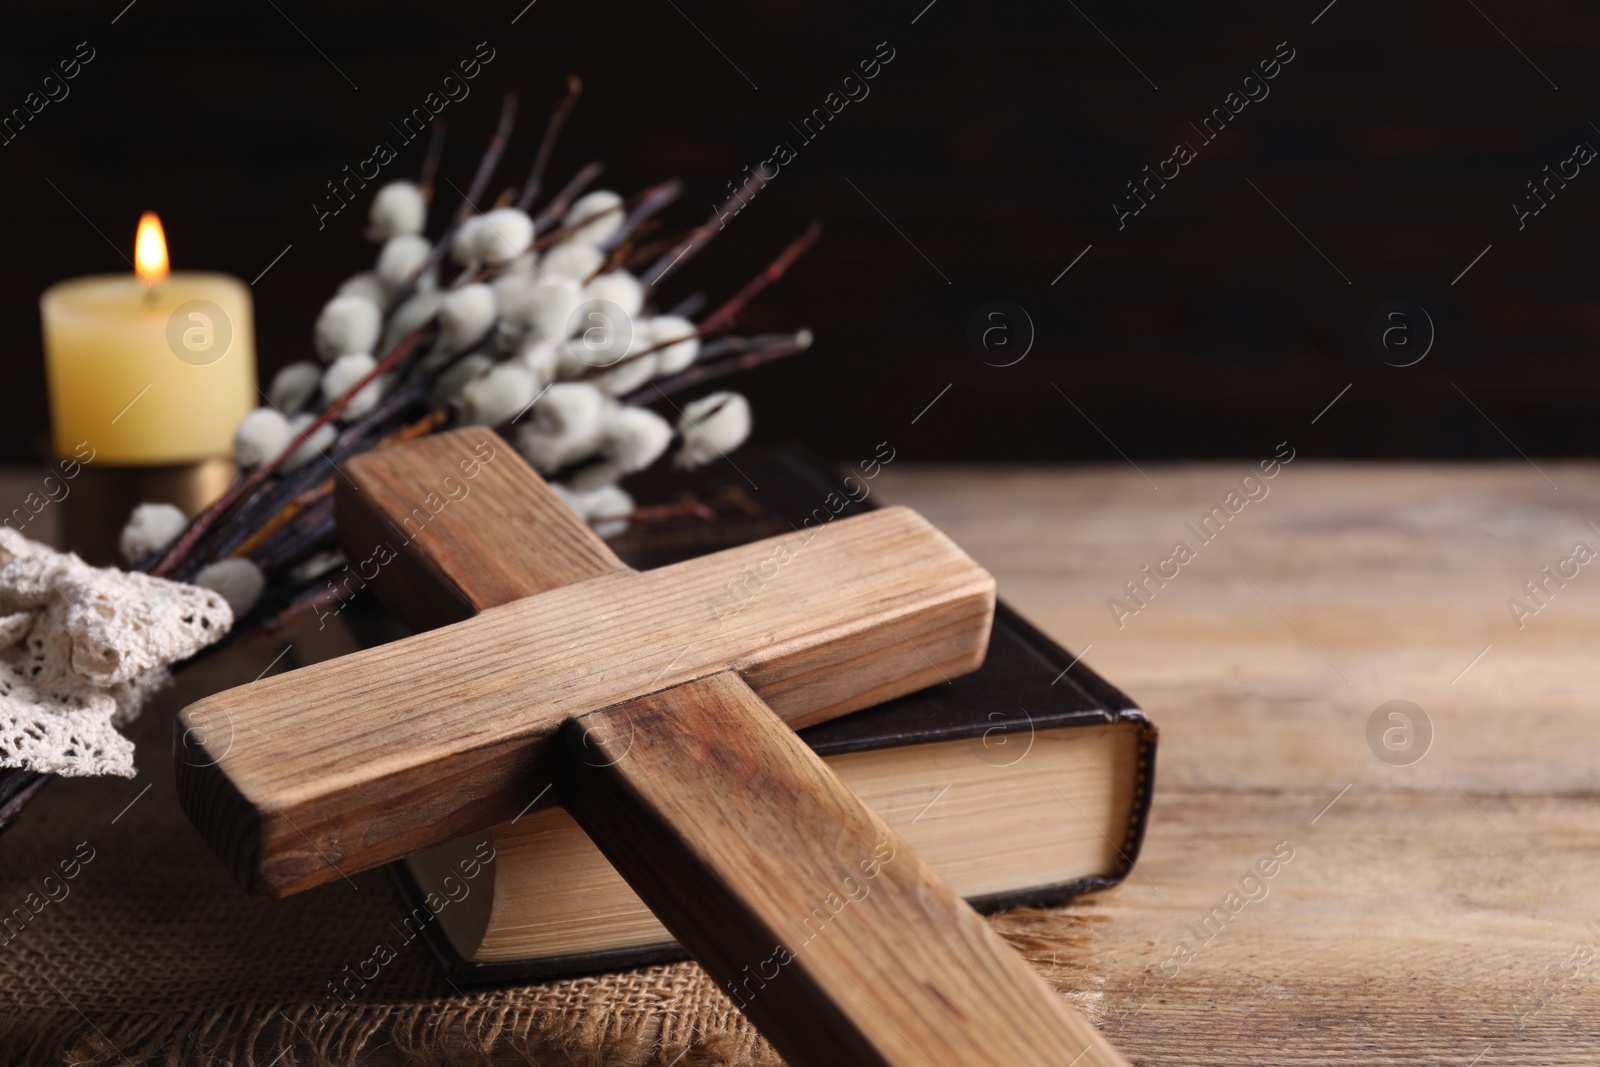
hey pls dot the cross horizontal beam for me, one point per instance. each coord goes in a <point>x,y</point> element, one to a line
<point>341,766</point>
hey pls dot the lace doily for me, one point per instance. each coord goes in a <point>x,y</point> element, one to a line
<point>81,650</point>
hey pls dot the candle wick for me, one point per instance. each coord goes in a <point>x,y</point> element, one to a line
<point>150,293</point>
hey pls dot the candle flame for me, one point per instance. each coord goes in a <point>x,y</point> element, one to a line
<point>150,250</point>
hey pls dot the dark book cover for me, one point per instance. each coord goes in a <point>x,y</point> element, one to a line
<point>1027,683</point>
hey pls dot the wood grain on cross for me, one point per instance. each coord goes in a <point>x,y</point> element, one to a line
<point>662,704</point>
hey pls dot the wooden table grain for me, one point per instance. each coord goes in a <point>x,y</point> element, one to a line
<point>1444,912</point>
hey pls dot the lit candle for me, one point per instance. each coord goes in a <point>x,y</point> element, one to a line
<point>148,369</point>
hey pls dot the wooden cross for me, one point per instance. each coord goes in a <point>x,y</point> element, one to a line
<point>660,705</point>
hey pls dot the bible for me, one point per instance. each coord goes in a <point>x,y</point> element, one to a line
<point>1026,782</point>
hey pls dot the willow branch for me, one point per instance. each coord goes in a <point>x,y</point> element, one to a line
<point>694,241</point>
<point>780,347</point>
<point>651,202</point>
<point>283,516</point>
<point>688,306</point>
<point>559,204</point>
<point>687,509</point>
<point>647,196</point>
<point>775,270</point>
<point>729,310</point>
<point>547,144</point>
<point>430,162</point>
<point>313,529</point>
<point>278,623</point>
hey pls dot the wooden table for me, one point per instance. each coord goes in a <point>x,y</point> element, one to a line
<point>1430,913</point>
<point>1442,913</point>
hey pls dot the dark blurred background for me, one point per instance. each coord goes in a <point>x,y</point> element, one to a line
<point>989,154</point>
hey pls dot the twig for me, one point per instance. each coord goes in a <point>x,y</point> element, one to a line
<point>734,345</point>
<point>17,787</point>
<point>775,270</point>
<point>280,622</point>
<point>490,160</point>
<point>692,243</point>
<point>266,505</point>
<point>656,198</point>
<point>686,509</point>
<point>547,144</point>
<point>430,162</point>
<point>593,372</point>
<point>405,394</point>
<point>688,306</point>
<point>646,254</point>
<point>653,192</point>
<point>310,531</point>
<point>420,428</point>
<point>622,253</point>
<point>700,373</point>
<point>284,515</point>
<point>559,204</point>
<point>725,314</point>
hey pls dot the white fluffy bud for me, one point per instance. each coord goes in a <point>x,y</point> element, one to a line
<point>592,476</point>
<point>512,291</point>
<point>571,259</point>
<point>620,288</point>
<point>342,375</point>
<point>499,396</point>
<point>627,375</point>
<point>570,409</point>
<point>238,581</point>
<point>150,527</point>
<point>312,447</point>
<point>261,437</point>
<point>466,246</point>
<point>294,386</point>
<point>566,426</point>
<point>605,508</point>
<point>542,358</point>
<point>712,426</point>
<point>546,454</point>
<point>367,285</point>
<point>347,324</point>
<point>548,307</point>
<point>678,355</point>
<point>635,437</point>
<point>465,315</point>
<point>316,566</point>
<point>408,317</point>
<point>397,209</point>
<point>458,374</point>
<point>401,258</point>
<point>592,204</point>
<point>505,235</point>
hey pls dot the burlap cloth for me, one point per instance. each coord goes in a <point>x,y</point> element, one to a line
<point>152,955</point>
